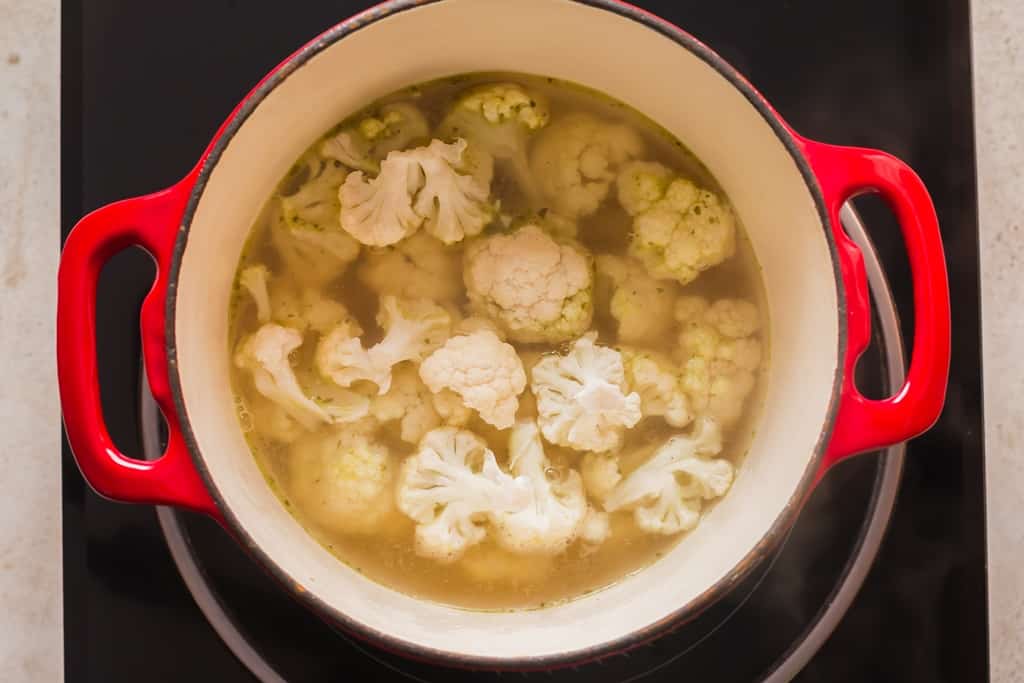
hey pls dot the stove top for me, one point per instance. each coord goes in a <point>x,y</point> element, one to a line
<point>145,86</point>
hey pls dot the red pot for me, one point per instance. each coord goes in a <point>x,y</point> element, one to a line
<point>787,190</point>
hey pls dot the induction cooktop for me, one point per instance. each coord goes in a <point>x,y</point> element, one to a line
<point>882,579</point>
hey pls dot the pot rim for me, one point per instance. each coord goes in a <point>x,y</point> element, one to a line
<point>637,638</point>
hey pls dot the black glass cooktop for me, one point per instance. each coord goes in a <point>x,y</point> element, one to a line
<point>144,87</point>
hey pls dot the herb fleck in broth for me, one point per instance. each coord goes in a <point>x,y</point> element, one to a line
<point>485,576</point>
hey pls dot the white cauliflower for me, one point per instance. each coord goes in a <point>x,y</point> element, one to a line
<point>265,354</point>
<point>342,480</point>
<point>499,118</point>
<point>438,186</point>
<point>484,371</point>
<point>487,563</point>
<point>453,411</point>
<point>690,308</point>
<point>537,289</point>
<point>551,520</point>
<point>323,314</point>
<point>408,401</point>
<point>255,280</point>
<point>308,309</point>
<point>733,318</point>
<point>364,144</point>
<point>306,232</point>
<point>419,266</point>
<point>451,487</point>
<point>453,200</point>
<point>666,493</point>
<point>679,229</point>
<point>595,529</point>
<point>582,397</point>
<point>642,184</point>
<point>576,160</point>
<point>268,420</point>
<point>640,305</point>
<point>719,355</point>
<point>600,472</point>
<point>413,328</point>
<point>658,381</point>
<point>347,405</point>
<point>379,212</point>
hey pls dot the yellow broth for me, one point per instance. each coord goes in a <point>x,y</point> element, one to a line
<point>488,577</point>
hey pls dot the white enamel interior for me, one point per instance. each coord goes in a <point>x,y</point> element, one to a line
<point>635,64</point>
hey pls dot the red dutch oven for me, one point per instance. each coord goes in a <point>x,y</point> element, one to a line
<point>786,189</point>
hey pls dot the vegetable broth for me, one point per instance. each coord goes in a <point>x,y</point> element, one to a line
<point>487,577</point>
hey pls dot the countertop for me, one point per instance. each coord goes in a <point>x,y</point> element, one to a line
<point>30,550</point>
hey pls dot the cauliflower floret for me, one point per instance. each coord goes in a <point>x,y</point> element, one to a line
<point>551,520</point>
<point>264,354</point>
<point>254,280</point>
<point>595,529</point>
<point>451,408</point>
<point>576,159</point>
<point>734,318</point>
<point>657,380</point>
<point>306,232</point>
<point>642,184</point>
<point>582,399</point>
<point>718,354</point>
<point>346,405</point>
<point>315,258</point>
<point>407,400</point>
<point>313,203</point>
<point>308,309</point>
<point>419,266</point>
<point>450,487</point>
<point>600,473</point>
<point>679,230</point>
<point>498,118</point>
<point>690,308</point>
<point>379,212</point>
<point>438,186</point>
<point>641,305</point>
<point>666,493</point>
<point>413,329</point>
<point>268,420</point>
<point>483,370</point>
<point>487,563</point>
<point>323,314</point>
<point>342,480</point>
<point>361,146</point>
<point>537,289</point>
<point>453,200</point>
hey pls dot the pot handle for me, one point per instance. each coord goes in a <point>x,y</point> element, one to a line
<point>864,424</point>
<point>150,222</point>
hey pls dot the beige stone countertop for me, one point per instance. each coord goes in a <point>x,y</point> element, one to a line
<point>30,550</point>
<point>998,27</point>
